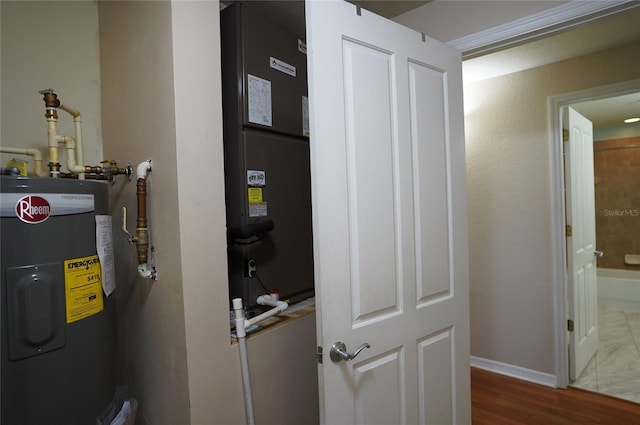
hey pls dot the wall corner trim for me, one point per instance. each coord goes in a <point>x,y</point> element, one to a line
<point>514,371</point>
<point>538,25</point>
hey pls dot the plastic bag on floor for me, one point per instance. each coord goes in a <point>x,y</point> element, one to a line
<point>121,410</point>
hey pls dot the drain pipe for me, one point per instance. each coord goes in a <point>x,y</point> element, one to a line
<point>242,324</point>
<point>271,299</point>
<point>35,153</point>
<point>244,359</point>
<point>142,231</point>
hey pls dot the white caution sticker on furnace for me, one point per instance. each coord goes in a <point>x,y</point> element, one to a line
<point>83,288</point>
<point>258,209</point>
<point>259,100</point>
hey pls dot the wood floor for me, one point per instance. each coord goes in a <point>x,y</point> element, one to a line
<point>501,400</point>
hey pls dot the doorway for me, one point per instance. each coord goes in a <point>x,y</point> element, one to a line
<point>614,368</point>
<point>556,104</point>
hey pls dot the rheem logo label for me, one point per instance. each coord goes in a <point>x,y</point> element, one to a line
<point>33,209</point>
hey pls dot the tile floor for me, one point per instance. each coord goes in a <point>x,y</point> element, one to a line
<point>615,369</point>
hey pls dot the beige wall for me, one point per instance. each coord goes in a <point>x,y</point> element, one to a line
<point>49,44</point>
<point>138,117</point>
<point>509,185</point>
<point>161,100</point>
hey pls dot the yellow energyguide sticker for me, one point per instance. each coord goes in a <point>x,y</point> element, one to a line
<point>83,288</point>
<point>255,195</point>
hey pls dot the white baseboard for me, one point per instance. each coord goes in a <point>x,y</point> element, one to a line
<point>514,371</point>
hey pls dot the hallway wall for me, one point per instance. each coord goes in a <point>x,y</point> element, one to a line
<point>509,186</point>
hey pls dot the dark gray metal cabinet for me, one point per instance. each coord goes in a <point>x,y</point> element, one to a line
<point>266,150</point>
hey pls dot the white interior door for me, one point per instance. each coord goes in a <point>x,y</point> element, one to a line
<point>389,214</point>
<point>582,291</point>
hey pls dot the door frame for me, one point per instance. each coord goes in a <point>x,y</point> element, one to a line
<point>558,220</point>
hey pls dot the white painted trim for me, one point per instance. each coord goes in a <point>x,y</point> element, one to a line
<point>540,24</point>
<point>558,248</point>
<point>513,371</point>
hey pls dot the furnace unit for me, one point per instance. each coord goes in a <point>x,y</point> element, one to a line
<point>266,150</point>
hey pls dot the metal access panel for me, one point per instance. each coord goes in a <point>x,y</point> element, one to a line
<point>57,348</point>
<point>284,257</point>
<point>264,72</point>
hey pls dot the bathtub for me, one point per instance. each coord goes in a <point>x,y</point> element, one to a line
<point>619,289</point>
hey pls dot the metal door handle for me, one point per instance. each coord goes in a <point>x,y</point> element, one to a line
<point>598,253</point>
<point>339,352</point>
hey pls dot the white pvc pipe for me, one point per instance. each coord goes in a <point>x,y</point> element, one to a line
<point>146,272</point>
<point>244,359</point>
<point>143,169</point>
<point>38,170</point>
<point>75,161</point>
<point>71,111</point>
<point>282,306</point>
<point>241,324</point>
<point>75,156</point>
<point>272,300</point>
<point>71,145</point>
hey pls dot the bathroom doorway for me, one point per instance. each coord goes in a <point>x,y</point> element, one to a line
<point>615,369</point>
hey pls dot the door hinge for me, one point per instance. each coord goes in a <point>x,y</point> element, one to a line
<point>319,355</point>
<point>570,325</point>
<point>569,231</point>
<point>565,135</point>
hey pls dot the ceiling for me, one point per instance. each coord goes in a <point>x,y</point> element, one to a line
<point>598,35</point>
<point>605,33</point>
<point>389,8</point>
<point>602,34</point>
<point>610,112</point>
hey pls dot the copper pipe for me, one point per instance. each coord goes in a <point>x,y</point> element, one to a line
<point>93,169</point>
<point>142,232</point>
<point>111,168</point>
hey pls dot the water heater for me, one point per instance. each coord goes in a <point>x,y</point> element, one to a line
<point>57,327</point>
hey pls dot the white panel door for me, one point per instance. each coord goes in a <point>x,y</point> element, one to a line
<point>582,291</point>
<point>389,214</point>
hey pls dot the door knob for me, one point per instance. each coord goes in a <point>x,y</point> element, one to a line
<point>598,253</point>
<point>339,352</point>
